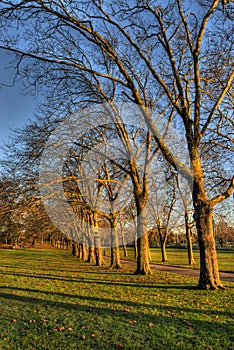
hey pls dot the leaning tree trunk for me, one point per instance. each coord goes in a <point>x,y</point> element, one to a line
<point>209,272</point>
<point>191,260</point>
<point>115,254</point>
<point>143,265</point>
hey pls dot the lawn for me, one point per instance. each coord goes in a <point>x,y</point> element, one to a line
<point>178,257</point>
<point>50,300</point>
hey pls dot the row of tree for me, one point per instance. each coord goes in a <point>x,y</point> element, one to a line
<point>170,63</point>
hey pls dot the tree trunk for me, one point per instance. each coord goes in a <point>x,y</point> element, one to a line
<point>79,251</point>
<point>98,251</point>
<point>209,272</point>
<point>124,244</point>
<point>74,249</point>
<point>163,249</point>
<point>115,254</point>
<point>97,241</point>
<point>84,251</point>
<point>191,260</point>
<point>143,265</point>
<point>125,250</point>
<point>91,254</point>
<point>68,244</point>
<point>135,248</point>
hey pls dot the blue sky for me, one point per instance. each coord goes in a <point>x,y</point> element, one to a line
<point>15,108</point>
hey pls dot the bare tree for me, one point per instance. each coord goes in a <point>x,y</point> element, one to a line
<point>139,51</point>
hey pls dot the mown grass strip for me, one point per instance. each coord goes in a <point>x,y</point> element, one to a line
<point>51,301</point>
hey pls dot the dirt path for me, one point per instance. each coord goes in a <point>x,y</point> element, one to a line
<point>225,276</point>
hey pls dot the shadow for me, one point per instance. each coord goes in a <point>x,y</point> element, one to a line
<point>106,310</point>
<point>95,281</point>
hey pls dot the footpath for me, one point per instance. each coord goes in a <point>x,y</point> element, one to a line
<point>224,275</point>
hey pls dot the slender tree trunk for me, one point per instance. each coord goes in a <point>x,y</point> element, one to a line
<point>115,254</point>
<point>68,244</point>
<point>98,251</point>
<point>143,265</point>
<point>209,272</point>
<point>97,241</point>
<point>163,248</point>
<point>84,251</point>
<point>135,240</point>
<point>135,248</point>
<point>191,260</point>
<point>91,255</point>
<point>125,250</point>
<point>79,251</point>
<point>74,249</point>
<point>124,244</point>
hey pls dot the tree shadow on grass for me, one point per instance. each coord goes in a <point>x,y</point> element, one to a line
<point>97,299</point>
<point>96,281</point>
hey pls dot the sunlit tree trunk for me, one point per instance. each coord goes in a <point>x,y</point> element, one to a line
<point>143,265</point>
<point>97,241</point>
<point>79,251</point>
<point>209,272</point>
<point>84,250</point>
<point>191,260</point>
<point>115,253</point>
<point>91,254</point>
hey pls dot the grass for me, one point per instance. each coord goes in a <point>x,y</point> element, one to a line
<point>51,301</point>
<point>178,257</point>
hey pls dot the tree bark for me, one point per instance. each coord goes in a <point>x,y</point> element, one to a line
<point>115,254</point>
<point>74,249</point>
<point>143,265</point>
<point>124,244</point>
<point>79,251</point>
<point>84,251</point>
<point>209,272</point>
<point>91,254</point>
<point>98,251</point>
<point>97,241</point>
<point>191,260</point>
<point>163,248</point>
<point>135,248</point>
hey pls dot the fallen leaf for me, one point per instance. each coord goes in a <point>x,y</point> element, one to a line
<point>83,337</point>
<point>132,322</point>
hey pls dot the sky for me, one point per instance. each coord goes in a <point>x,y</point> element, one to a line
<point>15,108</point>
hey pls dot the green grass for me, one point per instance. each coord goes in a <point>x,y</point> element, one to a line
<point>178,257</point>
<point>51,301</point>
